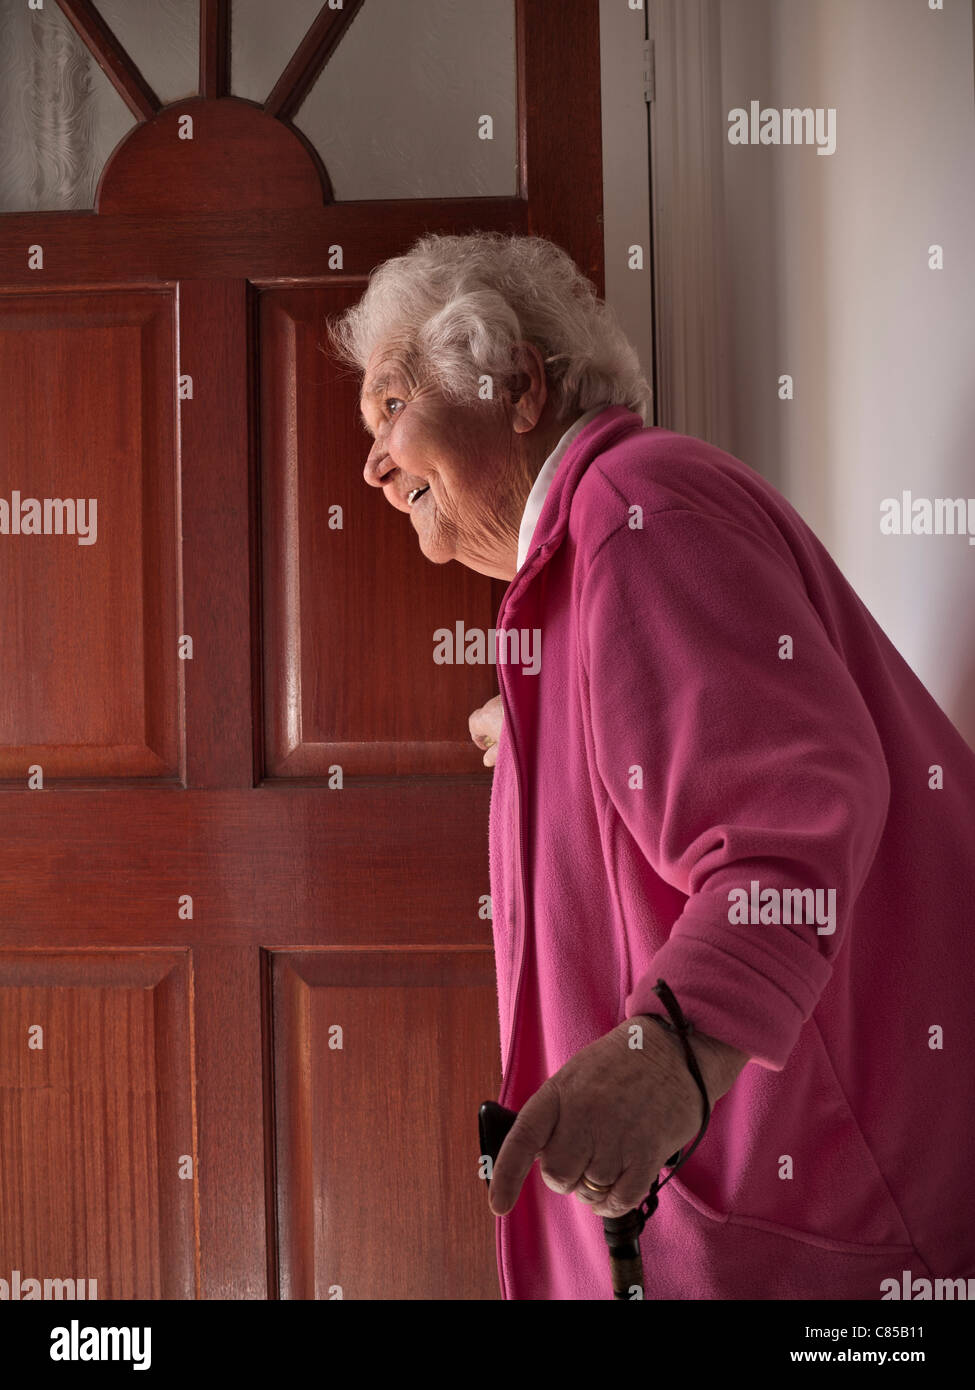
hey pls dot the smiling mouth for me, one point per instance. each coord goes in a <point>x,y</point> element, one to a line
<point>416,493</point>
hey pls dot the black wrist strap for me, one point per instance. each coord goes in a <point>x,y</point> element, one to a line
<point>680,1026</point>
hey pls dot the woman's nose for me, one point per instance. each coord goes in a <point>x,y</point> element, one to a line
<point>376,467</point>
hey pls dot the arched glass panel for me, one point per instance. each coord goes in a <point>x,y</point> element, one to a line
<point>418,100</point>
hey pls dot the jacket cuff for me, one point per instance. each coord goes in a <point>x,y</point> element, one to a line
<point>758,1010</point>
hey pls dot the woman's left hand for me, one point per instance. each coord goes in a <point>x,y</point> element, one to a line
<point>614,1114</point>
<point>485,726</point>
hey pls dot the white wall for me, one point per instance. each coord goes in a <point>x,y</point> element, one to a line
<point>828,280</point>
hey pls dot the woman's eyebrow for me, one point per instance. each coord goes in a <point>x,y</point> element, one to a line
<point>376,388</point>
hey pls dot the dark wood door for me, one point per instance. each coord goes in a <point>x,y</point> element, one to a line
<point>247,989</point>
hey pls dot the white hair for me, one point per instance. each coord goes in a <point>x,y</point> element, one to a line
<point>456,306</point>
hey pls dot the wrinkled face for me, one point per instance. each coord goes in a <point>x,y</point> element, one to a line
<point>457,470</point>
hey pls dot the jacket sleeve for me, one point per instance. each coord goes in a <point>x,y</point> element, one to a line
<point>754,767</point>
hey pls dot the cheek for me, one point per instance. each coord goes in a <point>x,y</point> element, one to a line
<point>408,444</point>
<point>460,470</point>
<point>434,447</point>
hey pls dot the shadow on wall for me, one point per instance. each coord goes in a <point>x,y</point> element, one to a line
<point>775,253</point>
<point>960,482</point>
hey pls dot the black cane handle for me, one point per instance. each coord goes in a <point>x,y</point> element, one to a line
<point>494,1122</point>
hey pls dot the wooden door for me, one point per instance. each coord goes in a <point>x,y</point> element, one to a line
<point>247,988</point>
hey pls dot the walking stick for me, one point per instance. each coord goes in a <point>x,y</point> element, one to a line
<point>622,1233</point>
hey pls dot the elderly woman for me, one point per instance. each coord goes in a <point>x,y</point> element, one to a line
<point>722,775</point>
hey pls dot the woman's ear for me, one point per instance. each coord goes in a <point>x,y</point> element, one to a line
<point>527,387</point>
<point>517,385</point>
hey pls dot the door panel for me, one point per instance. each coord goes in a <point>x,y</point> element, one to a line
<point>351,607</point>
<point>96,1114</point>
<point>398,1160</point>
<point>88,550</point>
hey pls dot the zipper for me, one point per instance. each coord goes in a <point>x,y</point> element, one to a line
<point>521,933</point>
<point>521,939</point>
<point>521,924</point>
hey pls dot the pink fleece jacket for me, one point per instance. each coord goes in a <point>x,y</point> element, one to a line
<point>715,708</point>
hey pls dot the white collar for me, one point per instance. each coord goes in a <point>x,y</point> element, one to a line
<point>533,507</point>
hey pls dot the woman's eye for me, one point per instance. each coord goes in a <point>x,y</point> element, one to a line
<point>390,400</point>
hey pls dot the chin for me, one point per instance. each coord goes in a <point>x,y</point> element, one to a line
<point>436,554</point>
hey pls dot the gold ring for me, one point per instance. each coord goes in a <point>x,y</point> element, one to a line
<point>595,1186</point>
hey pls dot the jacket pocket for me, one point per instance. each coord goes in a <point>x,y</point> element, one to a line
<point>696,1252</point>
<point>788,1157</point>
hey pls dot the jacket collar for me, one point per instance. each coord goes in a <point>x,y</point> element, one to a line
<point>539,492</point>
<point>600,434</point>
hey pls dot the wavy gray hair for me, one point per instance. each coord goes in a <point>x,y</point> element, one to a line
<point>457,305</point>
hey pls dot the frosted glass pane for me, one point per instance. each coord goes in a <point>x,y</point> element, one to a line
<point>162,38</point>
<point>396,110</point>
<point>263,39</point>
<point>60,116</point>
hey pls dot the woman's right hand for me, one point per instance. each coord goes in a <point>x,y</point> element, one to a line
<point>485,726</point>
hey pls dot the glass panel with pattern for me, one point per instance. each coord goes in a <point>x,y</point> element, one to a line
<point>162,37</point>
<point>399,109</point>
<point>263,37</point>
<point>60,116</point>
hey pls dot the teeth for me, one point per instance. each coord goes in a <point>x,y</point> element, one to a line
<point>416,492</point>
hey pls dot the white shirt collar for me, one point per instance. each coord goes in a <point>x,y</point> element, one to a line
<point>533,507</point>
